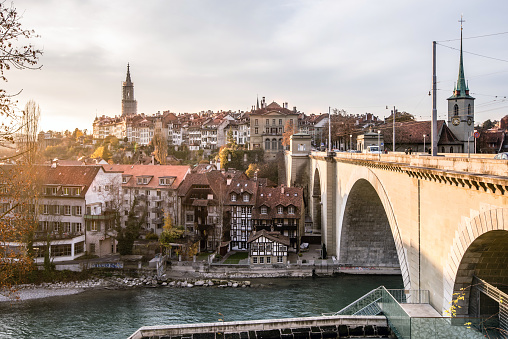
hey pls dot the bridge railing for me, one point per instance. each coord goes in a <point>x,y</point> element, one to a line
<point>475,163</point>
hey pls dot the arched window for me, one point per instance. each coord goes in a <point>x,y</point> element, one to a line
<point>267,144</point>
<point>442,149</point>
<point>280,144</point>
<point>451,149</point>
<point>469,109</point>
<point>274,144</point>
<point>456,109</point>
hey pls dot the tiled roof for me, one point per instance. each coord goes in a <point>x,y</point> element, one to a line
<point>272,197</point>
<point>273,236</point>
<point>81,176</point>
<point>411,132</point>
<point>155,171</point>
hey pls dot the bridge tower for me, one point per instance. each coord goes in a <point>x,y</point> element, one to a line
<point>461,106</point>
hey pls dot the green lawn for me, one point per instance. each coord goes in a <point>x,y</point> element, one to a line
<point>235,258</point>
<point>202,256</point>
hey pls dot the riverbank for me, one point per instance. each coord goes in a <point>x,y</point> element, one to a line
<point>46,290</point>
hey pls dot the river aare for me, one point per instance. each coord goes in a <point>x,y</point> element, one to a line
<point>118,313</point>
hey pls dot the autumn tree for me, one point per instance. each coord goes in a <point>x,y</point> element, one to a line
<point>289,130</point>
<point>169,233</point>
<point>160,145</point>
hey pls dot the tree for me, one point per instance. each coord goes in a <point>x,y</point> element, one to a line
<point>160,145</point>
<point>169,233</point>
<point>128,234</point>
<point>289,130</point>
<point>400,117</point>
<point>488,124</point>
<point>19,204</point>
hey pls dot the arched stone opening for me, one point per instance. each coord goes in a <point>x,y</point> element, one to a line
<point>485,258</point>
<point>317,206</point>
<point>366,237</point>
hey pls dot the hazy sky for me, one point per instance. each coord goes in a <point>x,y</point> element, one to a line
<point>193,55</point>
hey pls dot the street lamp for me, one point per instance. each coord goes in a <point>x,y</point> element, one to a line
<point>350,142</point>
<point>424,143</point>
<point>379,144</point>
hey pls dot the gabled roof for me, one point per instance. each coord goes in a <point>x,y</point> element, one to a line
<point>156,171</point>
<point>278,196</point>
<point>273,236</point>
<point>411,132</point>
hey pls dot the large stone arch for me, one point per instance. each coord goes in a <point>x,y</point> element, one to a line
<point>365,179</point>
<point>480,247</point>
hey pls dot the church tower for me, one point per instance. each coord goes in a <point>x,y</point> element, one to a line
<point>461,106</point>
<point>129,105</point>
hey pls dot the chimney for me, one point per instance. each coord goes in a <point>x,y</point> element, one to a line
<point>54,163</point>
<point>282,189</point>
<point>256,175</point>
<point>294,109</point>
<point>263,103</point>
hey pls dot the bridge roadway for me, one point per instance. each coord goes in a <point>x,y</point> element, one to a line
<point>440,219</point>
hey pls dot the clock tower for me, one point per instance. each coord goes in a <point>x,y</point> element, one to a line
<point>461,106</point>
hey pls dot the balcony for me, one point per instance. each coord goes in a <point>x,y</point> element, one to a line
<point>104,216</point>
<point>43,235</point>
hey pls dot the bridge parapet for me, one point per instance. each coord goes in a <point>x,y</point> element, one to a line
<point>476,164</point>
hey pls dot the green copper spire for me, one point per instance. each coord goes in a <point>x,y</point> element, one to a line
<point>461,89</point>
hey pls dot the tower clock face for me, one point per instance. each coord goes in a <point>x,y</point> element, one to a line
<point>455,121</point>
<point>469,121</point>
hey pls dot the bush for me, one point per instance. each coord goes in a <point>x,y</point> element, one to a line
<point>152,236</point>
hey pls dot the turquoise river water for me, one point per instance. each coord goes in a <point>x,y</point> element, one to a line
<point>118,314</point>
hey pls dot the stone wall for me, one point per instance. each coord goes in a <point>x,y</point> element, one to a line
<point>292,328</point>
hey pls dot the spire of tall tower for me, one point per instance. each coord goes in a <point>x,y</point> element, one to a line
<point>257,102</point>
<point>128,78</point>
<point>461,81</point>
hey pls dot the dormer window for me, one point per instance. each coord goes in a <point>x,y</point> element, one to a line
<point>291,210</point>
<point>264,210</point>
<point>66,190</point>
<point>77,191</point>
<point>124,180</point>
<point>233,197</point>
<point>246,197</point>
<point>280,210</point>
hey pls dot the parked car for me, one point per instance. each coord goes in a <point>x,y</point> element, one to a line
<point>502,156</point>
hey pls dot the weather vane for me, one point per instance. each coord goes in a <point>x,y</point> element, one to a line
<point>461,21</point>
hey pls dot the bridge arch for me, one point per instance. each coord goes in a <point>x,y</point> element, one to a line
<point>480,248</point>
<point>364,191</point>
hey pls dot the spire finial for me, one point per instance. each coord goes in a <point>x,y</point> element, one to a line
<point>461,81</point>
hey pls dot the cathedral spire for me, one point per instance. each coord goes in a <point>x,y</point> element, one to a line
<point>128,78</point>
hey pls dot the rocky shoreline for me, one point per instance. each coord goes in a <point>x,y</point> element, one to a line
<point>45,290</point>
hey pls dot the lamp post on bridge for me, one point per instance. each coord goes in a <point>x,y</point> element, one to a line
<point>424,143</point>
<point>379,144</point>
<point>350,142</point>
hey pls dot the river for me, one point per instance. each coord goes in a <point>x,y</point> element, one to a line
<point>119,313</point>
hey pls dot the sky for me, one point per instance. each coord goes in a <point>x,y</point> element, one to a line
<point>195,55</point>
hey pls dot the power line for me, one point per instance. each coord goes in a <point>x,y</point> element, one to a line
<point>474,37</point>
<point>483,56</point>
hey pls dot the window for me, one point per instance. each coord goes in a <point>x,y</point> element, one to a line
<point>159,194</point>
<point>79,247</point>
<point>92,248</point>
<point>147,192</point>
<point>67,210</point>
<point>88,210</point>
<point>280,259</point>
<point>189,217</point>
<point>280,121</point>
<point>45,225</point>
<point>254,260</point>
<point>456,109</point>
<point>264,210</point>
<point>246,197</point>
<point>469,109</point>
<point>256,130</point>
<point>267,144</point>
<point>280,209</point>
<point>77,191</point>
<point>256,122</point>
<point>233,197</point>
<point>93,225</point>
<point>60,250</point>
<point>268,260</point>
<point>66,190</point>
<point>66,227</point>
<point>77,226</point>
<point>267,122</point>
<point>124,180</point>
<point>291,210</point>
<point>274,144</point>
<point>56,226</point>
<point>273,121</point>
<point>45,209</point>
<point>79,210</point>
<point>261,260</point>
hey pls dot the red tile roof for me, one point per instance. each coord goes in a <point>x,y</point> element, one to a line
<point>155,171</point>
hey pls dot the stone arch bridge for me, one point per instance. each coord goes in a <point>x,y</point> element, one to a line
<point>442,220</point>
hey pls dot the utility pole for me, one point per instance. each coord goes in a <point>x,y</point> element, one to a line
<point>434,108</point>
<point>329,130</point>
<point>393,122</point>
